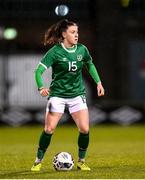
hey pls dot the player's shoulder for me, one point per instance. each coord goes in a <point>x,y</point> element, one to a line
<point>79,45</point>
<point>54,48</point>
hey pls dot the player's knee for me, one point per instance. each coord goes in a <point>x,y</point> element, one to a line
<point>49,130</point>
<point>84,130</point>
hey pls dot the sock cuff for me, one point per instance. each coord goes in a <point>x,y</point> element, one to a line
<point>47,134</point>
<point>83,134</point>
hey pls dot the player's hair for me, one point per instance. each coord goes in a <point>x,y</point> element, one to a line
<point>54,33</point>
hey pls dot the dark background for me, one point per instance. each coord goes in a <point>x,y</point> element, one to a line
<point>115,36</point>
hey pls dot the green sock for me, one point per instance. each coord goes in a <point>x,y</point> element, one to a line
<point>83,142</point>
<point>44,142</point>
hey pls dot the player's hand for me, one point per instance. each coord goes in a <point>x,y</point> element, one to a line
<point>44,92</point>
<point>100,89</point>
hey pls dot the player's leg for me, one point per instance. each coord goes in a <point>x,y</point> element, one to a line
<point>81,119</point>
<point>54,111</point>
<point>51,122</point>
<point>80,115</point>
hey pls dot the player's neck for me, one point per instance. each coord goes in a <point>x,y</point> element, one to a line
<point>67,45</point>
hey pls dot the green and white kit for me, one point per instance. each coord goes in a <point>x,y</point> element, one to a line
<point>67,64</point>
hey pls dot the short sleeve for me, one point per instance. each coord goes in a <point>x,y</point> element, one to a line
<point>48,59</point>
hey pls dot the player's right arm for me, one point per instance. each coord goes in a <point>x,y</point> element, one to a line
<point>45,63</point>
<point>39,82</point>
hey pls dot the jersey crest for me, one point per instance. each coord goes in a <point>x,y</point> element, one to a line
<point>79,57</point>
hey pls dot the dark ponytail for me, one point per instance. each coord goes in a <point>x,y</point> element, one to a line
<point>54,33</point>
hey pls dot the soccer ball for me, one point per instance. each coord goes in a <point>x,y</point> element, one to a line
<point>63,161</point>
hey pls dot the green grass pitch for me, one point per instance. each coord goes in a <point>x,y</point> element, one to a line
<point>114,152</point>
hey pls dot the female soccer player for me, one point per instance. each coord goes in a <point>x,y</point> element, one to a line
<point>67,58</point>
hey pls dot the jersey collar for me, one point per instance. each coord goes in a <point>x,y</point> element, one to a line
<point>71,50</point>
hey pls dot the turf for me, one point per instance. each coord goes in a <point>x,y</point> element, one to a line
<point>114,152</point>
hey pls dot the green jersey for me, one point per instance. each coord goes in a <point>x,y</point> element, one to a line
<point>67,64</point>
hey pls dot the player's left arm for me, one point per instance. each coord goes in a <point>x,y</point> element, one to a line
<point>94,74</point>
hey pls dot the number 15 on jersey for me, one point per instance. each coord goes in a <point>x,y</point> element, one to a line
<point>72,66</point>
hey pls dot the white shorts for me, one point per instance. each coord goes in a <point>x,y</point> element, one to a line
<point>57,104</point>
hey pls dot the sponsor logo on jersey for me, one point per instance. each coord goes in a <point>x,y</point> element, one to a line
<point>79,57</point>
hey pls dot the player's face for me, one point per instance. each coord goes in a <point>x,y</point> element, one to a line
<point>71,36</point>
